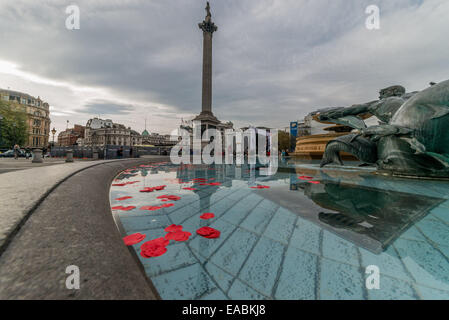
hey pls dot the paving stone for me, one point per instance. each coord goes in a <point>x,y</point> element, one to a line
<point>435,230</point>
<point>240,291</point>
<point>339,249</point>
<point>221,277</point>
<point>388,262</point>
<point>306,236</point>
<point>239,211</point>
<point>261,268</point>
<point>184,284</point>
<point>298,276</point>
<point>234,251</point>
<point>340,281</point>
<point>427,266</point>
<point>427,293</point>
<point>393,289</point>
<point>258,219</point>
<point>281,226</point>
<point>177,256</point>
<point>215,295</point>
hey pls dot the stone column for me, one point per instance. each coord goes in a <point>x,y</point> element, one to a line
<point>207,73</point>
<point>37,156</point>
<point>208,28</point>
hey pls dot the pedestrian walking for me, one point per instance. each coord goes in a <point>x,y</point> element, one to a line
<point>16,151</point>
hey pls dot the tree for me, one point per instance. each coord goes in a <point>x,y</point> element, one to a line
<point>13,127</point>
<point>284,140</point>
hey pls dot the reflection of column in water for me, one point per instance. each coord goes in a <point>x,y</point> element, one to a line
<point>293,184</point>
<point>203,243</point>
<point>238,172</point>
<point>252,173</point>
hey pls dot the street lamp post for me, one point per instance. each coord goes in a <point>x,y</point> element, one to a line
<point>1,118</point>
<point>53,132</point>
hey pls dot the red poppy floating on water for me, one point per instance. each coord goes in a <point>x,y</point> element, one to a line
<point>123,198</point>
<point>178,236</point>
<point>154,248</point>
<point>133,239</point>
<point>151,189</point>
<point>123,208</point>
<point>208,215</point>
<point>208,232</point>
<point>314,182</point>
<point>260,187</point>
<point>151,208</point>
<point>154,208</point>
<point>124,183</point>
<point>173,228</point>
<point>172,198</point>
<point>191,189</point>
<point>305,178</point>
<point>210,184</point>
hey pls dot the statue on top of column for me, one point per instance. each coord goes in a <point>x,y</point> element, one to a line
<point>207,25</point>
<point>208,10</point>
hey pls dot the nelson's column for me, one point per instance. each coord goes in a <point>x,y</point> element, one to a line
<point>207,118</point>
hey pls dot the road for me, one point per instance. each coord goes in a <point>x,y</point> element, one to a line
<point>11,164</point>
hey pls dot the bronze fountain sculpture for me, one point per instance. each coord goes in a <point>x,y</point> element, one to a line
<point>411,140</point>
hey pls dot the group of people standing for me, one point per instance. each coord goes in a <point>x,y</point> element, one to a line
<point>28,153</point>
<point>17,151</point>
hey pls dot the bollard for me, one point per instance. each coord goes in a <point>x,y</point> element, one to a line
<point>95,155</point>
<point>37,157</point>
<point>69,155</point>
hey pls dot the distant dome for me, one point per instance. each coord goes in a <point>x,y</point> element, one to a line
<point>145,133</point>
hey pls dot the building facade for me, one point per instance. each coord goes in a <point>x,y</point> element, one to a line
<point>70,136</point>
<point>99,132</point>
<point>156,139</point>
<point>38,116</point>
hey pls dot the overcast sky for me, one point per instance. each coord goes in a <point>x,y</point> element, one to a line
<point>274,60</point>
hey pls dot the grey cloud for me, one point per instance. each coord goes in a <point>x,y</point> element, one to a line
<point>106,108</point>
<point>277,58</point>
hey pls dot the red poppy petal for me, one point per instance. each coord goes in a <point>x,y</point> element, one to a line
<point>154,252</point>
<point>129,208</point>
<point>133,239</point>
<point>150,208</point>
<point>178,236</point>
<point>208,232</point>
<point>173,228</point>
<point>123,198</point>
<point>314,182</point>
<point>207,216</point>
